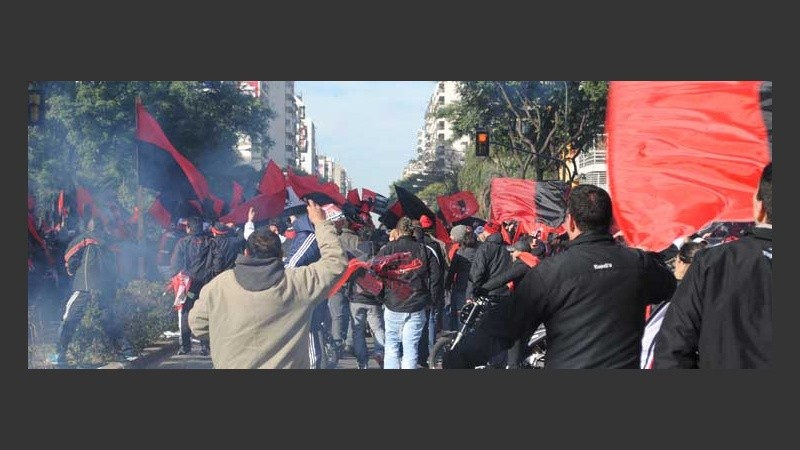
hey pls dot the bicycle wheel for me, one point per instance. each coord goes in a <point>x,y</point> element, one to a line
<point>440,348</point>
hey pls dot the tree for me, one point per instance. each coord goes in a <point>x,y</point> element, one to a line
<point>551,121</point>
<point>89,134</point>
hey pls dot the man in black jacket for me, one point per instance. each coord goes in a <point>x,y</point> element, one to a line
<point>406,296</point>
<point>721,315</point>
<point>591,297</point>
<point>491,262</point>
<point>193,256</point>
<point>92,268</point>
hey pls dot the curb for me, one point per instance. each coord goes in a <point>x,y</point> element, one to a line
<point>156,351</point>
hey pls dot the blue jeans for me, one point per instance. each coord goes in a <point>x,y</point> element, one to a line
<point>403,331</point>
<point>360,315</point>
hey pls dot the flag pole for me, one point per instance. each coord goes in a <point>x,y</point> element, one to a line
<point>140,221</point>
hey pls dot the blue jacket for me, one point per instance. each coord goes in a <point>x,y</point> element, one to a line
<point>304,249</point>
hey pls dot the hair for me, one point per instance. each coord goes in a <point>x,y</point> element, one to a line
<point>404,227</point>
<point>470,239</point>
<point>195,224</point>
<point>263,243</point>
<point>590,207</point>
<point>689,249</point>
<point>764,193</point>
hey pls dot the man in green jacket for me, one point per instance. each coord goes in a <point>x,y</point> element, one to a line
<point>258,313</point>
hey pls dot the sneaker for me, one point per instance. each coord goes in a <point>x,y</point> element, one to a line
<point>362,366</point>
<point>349,351</point>
<point>184,351</point>
<point>204,350</point>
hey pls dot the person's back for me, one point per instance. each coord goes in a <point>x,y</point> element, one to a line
<point>721,315</point>
<point>491,260</point>
<point>591,297</point>
<point>413,292</point>
<point>192,256</point>
<point>258,313</point>
<point>597,302</point>
<point>228,244</point>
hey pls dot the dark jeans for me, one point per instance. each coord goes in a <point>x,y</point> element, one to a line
<point>457,301</point>
<point>339,306</point>
<point>73,314</point>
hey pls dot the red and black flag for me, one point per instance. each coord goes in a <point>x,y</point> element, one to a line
<point>684,154</point>
<point>534,205</point>
<point>415,208</point>
<point>391,215</point>
<point>163,168</point>
<point>309,187</point>
<point>458,206</point>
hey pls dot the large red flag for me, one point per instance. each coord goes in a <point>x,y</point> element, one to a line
<point>162,167</point>
<point>682,155</point>
<point>458,206</point>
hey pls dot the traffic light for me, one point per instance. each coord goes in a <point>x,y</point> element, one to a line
<point>481,143</point>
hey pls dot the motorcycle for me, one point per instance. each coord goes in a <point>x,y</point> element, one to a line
<point>470,315</point>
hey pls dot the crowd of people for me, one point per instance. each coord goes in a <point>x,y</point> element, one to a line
<point>257,296</point>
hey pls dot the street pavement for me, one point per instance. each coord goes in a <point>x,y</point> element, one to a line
<point>195,360</point>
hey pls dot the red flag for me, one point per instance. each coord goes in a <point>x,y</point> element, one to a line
<point>682,155</point>
<point>368,195</point>
<point>160,213</point>
<point>272,182</point>
<point>61,203</point>
<point>84,199</point>
<point>352,197</point>
<point>458,206</point>
<point>309,186</point>
<point>266,205</point>
<point>135,216</point>
<point>238,195</point>
<point>163,168</point>
<point>533,205</point>
<point>34,233</point>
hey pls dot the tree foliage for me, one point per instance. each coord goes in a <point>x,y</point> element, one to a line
<point>88,135</point>
<point>546,122</point>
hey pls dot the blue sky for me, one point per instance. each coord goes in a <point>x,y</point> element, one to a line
<point>368,126</point>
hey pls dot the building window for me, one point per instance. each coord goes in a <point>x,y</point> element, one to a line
<point>440,138</point>
<point>441,99</point>
<point>440,125</point>
<point>289,149</point>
